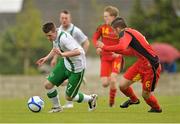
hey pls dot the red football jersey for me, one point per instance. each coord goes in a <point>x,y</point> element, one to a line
<point>108,37</point>
<point>133,43</point>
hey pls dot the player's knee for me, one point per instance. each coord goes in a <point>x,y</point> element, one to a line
<point>105,84</point>
<point>122,87</point>
<point>48,85</point>
<point>113,83</point>
<point>124,84</point>
<point>69,98</point>
<point>113,78</point>
<point>146,94</point>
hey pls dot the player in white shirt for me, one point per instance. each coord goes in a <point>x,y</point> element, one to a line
<point>72,68</point>
<point>78,35</point>
<point>75,32</point>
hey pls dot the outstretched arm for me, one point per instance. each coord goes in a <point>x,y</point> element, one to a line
<point>123,44</point>
<point>41,61</point>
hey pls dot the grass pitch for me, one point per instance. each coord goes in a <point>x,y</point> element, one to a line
<point>15,110</point>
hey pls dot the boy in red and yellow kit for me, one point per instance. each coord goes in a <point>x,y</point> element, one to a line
<point>110,61</point>
<point>146,68</point>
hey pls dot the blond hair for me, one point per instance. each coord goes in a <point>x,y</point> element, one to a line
<point>113,11</point>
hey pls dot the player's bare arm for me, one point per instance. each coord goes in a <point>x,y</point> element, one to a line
<point>85,45</point>
<point>41,61</point>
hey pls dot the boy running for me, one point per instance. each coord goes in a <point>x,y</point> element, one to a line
<point>147,68</point>
<point>78,35</point>
<point>72,68</point>
<point>111,63</point>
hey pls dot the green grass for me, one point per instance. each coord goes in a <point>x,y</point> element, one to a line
<point>15,110</point>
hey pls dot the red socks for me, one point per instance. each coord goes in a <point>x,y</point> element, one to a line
<point>152,101</point>
<point>112,95</point>
<point>130,93</point>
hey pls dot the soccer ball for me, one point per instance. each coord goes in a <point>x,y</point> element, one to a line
<point>35,104</point>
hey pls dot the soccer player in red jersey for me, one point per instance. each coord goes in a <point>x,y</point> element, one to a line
<point>146,68</point>
<point>110,61</point>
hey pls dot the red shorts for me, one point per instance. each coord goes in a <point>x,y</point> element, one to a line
<point>109,66</point>
<point>142,70</point>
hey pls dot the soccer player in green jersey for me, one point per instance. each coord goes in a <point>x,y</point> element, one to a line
<point>78,35</point>
<point>72,68</point>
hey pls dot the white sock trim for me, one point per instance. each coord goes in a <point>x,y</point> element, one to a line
<point>76,98</point>
<point>51,90</point>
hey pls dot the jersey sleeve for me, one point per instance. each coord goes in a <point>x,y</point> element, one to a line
<point>79,36</point>
<point>68,42</point>
<point>96,36</point>
<point>124,42</point>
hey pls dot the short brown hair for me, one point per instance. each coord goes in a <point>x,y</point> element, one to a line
<point>49,26</point>
<point>65,11</point>
<point>118,22</point>
<point>113,11</point>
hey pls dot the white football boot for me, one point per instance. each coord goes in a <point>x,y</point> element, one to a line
<point>93,103</point>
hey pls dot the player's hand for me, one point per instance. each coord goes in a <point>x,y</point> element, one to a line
<point>115,55</point>
<point>57,51</point>
<point>41,61</point>
<point>98,51</point>
<point>100,44</point>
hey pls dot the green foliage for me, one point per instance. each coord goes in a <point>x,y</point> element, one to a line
<point>9,62</point>
<point>158,23</point>
<point>138,16</point>
<point>23,43</point>
<point>129,61</point>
